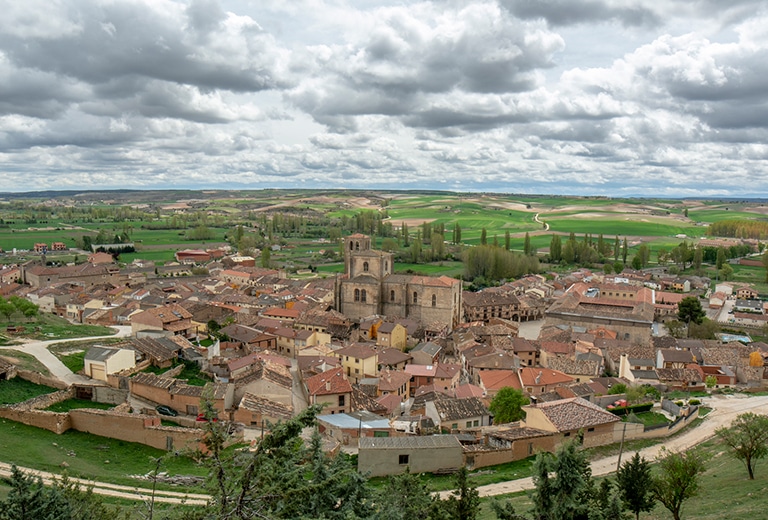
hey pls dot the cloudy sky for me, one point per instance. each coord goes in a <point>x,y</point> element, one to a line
<point>614,97</point>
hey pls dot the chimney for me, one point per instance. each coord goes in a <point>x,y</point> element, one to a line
<point>538,378</point>
<point>327,386</point>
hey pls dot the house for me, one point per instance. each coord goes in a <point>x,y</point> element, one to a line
<point>180,396</point>
<point>490,363</point>
<point>392,335</point>
<point>394,382</point>
<point>753,306</point>
<point>680,285</point>
<point>359,361</point>
<point>573,418</point>
<point>380,456</point>
<point>451,414</point>
<point>254,410</point>
<point>491,381</point>
<point>747,293</point>
<point>251,339</point>
<point>173,319</point>
<point>331,389</point>
<point>443,376</point>
<point>581,369</point>
<point>527,351</point>
<point>393,359</point>
<point>349,428</point>
<point>539,380</point>
<point>674,358</point>
<point>101,361</point>
<point>427,353</point>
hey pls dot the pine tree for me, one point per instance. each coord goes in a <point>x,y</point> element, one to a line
<point>527,245</point>
<point>483,237</point>
<point>634,480</point>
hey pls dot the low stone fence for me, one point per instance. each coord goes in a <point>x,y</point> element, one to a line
<point>40,379</point>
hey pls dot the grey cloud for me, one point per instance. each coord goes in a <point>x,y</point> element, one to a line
<point>568,12</point>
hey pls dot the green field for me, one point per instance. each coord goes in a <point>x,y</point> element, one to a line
<point>725,493</point>
<point>18,390</point>
<point>24,361</point>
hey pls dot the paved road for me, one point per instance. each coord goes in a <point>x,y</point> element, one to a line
<point>725,410</point>
<point>39,349</point>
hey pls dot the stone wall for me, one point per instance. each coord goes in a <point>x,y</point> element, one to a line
<point>40,379</point>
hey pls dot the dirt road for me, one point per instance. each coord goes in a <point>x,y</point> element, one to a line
<point>725,410</point>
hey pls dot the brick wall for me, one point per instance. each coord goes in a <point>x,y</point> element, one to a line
<point>51,421</point>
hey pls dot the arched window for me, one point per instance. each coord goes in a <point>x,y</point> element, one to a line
<point>362,296</point>
<point>386,265</point>
<point>415,297</point>
<point>365,267</point>
<point>391,296</point>
<point>351,246</point>
<point>357,295</point>
<point>434,300</point>
<point>357,246</point>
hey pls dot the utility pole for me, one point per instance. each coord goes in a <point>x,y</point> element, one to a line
<point>621,447</point>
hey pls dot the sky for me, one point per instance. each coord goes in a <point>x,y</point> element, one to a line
<point>596,97</point>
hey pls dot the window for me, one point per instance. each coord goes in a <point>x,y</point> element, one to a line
<point>357,371</point>
<point>357,360</point>
<point>341,400</point>
<point>351,246</point>
<point>469,424</point>
<point>362,296</point>
<point>365,267</point>
<point>476,423</point>
<point>357,246</point>
<point>590,429</point>
<point>530,448</point>
<point>357,295</point>
<point>415,297</point>
<point>386,265</point>
<point>455,426</point>
<point>402,459</point>
<point>567,434</point>
<point>434,300</point>
<point>391,296</point>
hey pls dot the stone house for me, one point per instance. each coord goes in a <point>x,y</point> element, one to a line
<point>572,419</point>
<point>331,389</point>
<point>380,456</point>
<point>450,414</point>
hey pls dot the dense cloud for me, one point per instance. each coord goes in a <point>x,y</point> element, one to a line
<point>604,96</point>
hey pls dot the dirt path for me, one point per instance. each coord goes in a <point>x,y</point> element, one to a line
<point>116,490</point>
<point>725,410</point>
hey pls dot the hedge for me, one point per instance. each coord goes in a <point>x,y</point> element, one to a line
<point>634,408</point>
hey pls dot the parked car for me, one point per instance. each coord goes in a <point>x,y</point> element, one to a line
<point>201,417</point>
<point>166,410</point>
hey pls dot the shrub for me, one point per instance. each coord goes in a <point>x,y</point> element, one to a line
<point>694,402</point>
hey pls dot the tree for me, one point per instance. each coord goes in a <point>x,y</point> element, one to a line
<point>483,236</point>
<point>624,248</point>
<point>676,328</point>
<point>689,310</point>
<point>765,264</point>
<point>710,382</point>
<point>747,439</point>
<point>555,249</point>
<point>563,484</point>
<point>266,254</point>
<point>720,258</point>
<point>507,240</point>
<point>634,481</point>
<point>726,272</point>
<point>464,502</point>
<point>678,479</point>
<point>403,497</point>
<point>755,359</point>
<point>507,404</point>
<point>526,244</point>
<point>457,233</point>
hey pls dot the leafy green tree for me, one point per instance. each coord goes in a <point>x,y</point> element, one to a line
<point>677,480</point>
<point>483,236</point>
<point>726,272</point>
<point>555,249</point>
<point>747,439</point>
<point>720,258</point>
<point>526,244</point>
<point>710,381</point>
<point>634,480</point>
<point>507,240</point>
<point>765,264</point>
<point>266,255</point>
<point>506,405</point>
<point>456,233</point>
<point>689,310</point>
<point>618,267</point>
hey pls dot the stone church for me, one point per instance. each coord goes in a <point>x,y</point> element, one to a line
<point>369,287</point>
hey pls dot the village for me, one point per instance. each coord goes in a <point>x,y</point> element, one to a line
<point>404,366</point>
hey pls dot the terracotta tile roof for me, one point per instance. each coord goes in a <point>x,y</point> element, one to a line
<point>392,356</point>
<point>531,376</point>
<point>356,351</point>
<point>497,379</point>
<point>574,414</point>
<point>392,380</point>
<point>468,390</point>
<point>328,383</point>
<point>573,366</point>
